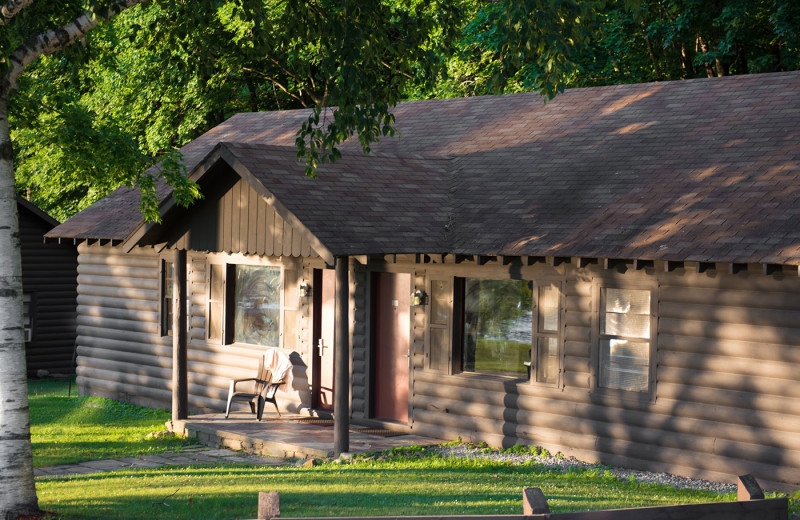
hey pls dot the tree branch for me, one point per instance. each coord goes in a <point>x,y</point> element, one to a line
<point>11,8</point>
<point>56,39</point>
<point>276,83</point>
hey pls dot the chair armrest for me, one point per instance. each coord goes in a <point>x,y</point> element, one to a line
<point>235,382</point>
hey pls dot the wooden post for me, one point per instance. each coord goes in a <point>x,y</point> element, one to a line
<point>269,505</point>
<point>180,387</point>
<point>341,390</point>
<point>748,488</point>
<point>534,502</point>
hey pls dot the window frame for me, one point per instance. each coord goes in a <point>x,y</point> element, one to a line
<point>600,286</point>
<point>449,327</point>
<point>559,334</point>
<point>28,321</point>
<point>459,319</point>
<point>228,304</point>
<point>165,322</point>
<point>455,329</point>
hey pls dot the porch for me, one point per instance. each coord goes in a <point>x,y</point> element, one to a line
<point>290,435</point>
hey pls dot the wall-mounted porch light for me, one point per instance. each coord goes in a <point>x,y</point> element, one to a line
<point>418,297</point>
<point>303,290</point>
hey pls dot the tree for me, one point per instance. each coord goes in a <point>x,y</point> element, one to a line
<point>360,56</point>
<point>356,55</point>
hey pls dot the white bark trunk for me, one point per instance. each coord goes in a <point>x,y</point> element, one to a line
<point>17,491</point>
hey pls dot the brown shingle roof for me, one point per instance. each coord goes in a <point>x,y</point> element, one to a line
<point>704,170</point>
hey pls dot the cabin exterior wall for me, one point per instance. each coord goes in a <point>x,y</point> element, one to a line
<point>123,355</point>
<point>722,399</point>
<point>49,290</point>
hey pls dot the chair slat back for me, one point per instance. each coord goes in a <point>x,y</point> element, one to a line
<point>263,378</point>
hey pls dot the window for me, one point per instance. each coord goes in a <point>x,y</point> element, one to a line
<point>547,356</point>
<point>27,316</point>
<point>167,277</point>
<point>440,324</point>
<point>257,305</point>
<point>244,304</point>
<point>497,326</point>
<point>216,301</point>
<point>624,358</point>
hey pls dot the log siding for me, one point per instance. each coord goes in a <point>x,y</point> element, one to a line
<point>724,399</point>
<point>122,355</point>
<point>48,280</point>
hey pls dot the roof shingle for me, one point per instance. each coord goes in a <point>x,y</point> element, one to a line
<point>705,170</point>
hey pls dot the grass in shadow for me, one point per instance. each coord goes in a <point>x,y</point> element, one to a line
<point>73,429</point>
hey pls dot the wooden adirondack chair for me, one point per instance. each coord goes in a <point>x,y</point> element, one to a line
<point>263,390</point>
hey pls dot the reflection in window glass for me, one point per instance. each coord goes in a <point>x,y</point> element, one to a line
<point>440,301</point>
<point>625,364</point>
<point>257,305</point>
<point>547,364</point>
<point>215,301</point>
<point>498,322</point>
<point>439,348</point>
<point>625,359</point>
<point>548,308</point>
<point>627,313</point>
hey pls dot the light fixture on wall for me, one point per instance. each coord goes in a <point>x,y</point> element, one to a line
<point>418,297</point>
<point>303,290</point>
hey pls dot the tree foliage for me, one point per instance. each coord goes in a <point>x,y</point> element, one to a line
<point>161,74</point>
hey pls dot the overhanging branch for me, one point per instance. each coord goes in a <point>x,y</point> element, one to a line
<point>11,8</point>
<point>56,39</point>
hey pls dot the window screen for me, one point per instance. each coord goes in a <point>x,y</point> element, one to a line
<point>27,316</point>
<point>624,324</point>
<point>547,365</point>
<point>216,299</point>
<point>441,310</point>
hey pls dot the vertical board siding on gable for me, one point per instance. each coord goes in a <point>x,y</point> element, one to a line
<point>121,354</point>
<point>726,395</point>
<point>48,272</point>
<point>244,223</point>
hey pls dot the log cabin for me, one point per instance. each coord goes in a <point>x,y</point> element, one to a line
<point>612,274</point>
<point>49,289</point>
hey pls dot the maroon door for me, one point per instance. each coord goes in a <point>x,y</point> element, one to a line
<point>391,313</point>
<point>323,290</point>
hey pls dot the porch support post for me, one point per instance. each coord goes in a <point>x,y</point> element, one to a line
<point>341,389</point>
<point>180,387</point>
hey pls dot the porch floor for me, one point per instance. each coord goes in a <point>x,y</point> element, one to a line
<point>290,435</point>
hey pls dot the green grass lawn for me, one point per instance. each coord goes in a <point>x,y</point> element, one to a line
<point>76,429</point>
<point>401,485</point>
<point>408,482</point>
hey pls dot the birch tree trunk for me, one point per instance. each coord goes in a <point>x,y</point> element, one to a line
<point>17,488</point>
<point>17,491</point>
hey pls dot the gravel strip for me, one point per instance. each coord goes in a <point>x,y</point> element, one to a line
<point>644,477</point>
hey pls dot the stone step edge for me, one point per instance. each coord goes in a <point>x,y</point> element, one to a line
<point>213,437</point>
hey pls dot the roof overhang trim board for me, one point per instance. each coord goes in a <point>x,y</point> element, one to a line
<point>222,153</point>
